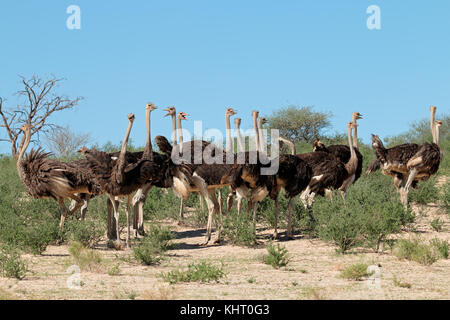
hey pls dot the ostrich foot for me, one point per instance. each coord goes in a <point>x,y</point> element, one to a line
<point>274,236</point>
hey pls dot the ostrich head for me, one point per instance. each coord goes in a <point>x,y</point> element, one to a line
<point>433,109</point>
<point>376,142</point>
<point>318,145</point>
<point>237,122</point>
<point>438,123</point>
<point>255,113</point>
<point>150,106</point>
<point>182,115</point>
<point>171,111</point>
<point>263,120</point>
<point>131,117</point>
<point>83,150</point>
<point>230,112</point>
<point>356,116</point>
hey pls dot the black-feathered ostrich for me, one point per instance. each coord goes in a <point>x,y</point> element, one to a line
<point>48,178</point>
<point>416,162</point>
<point>293,175</point>
<point>343,154</point>
<point>207,163</point>
<point>119,178</point>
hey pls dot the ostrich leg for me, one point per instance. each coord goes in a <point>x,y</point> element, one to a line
<point>229,201</point>
<point>138,209</point>
<point>181,209</point>
<point>115,204</point>
<point>63,212</point>
<point>127,212</point>
<point>275,232</point>
<point>200,199</point>
<point>404,194</point>
<point>220,200</point>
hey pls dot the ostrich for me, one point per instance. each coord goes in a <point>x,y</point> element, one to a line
<point>328,173</point>
<point>409,163</point>
<point>293,175</point>
<point>176,122</point>
<point>47,178</point>
<point>119,178</point>
<point>424,163</point>
<point>204,178</point>
<point>240,141</point>
<point>343,153</point>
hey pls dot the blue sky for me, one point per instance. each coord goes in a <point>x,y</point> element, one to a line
<point>204,56</point>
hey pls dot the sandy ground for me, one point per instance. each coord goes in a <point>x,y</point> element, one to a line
<point>312,273</point>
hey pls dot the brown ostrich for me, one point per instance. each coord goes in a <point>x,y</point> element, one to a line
<point>119,178</point>
<point>205,177</point>
<point>47,178</point>
<point>343,153</point>
<point>240,140</point>
<point>293,175</point>
<point>328,173</point>
<point>424,163</point>
<point>408,163</point>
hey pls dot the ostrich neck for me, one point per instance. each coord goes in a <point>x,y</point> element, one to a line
<point>123,150</point>
<point>148,151</point>
<point>290,144</point>
<point>432,124</point>
<point>352,163</point>
<point>436,139</point>
<point>174,130</point>
<point>355,134</point>
<point>255,127</point>
<point>24,145</point>
<point>180,134</point>
<point>239,139</point>
<point>262,142</point>
<point>229,143</point>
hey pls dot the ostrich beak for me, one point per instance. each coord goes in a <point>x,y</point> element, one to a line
<point>168,112</point>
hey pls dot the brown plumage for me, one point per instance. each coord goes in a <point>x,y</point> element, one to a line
<point>342,153</point>
<point>408,163</point>
<point>328,173</point>
<point>47,178</point>
<point>118,177</point>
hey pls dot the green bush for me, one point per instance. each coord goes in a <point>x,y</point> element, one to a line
<point>277,256</point>
<point>239,229</point>
<point>152,247</point>
<point>371,212</point>
<point>437,224</point>
<point>161,236</point>
<point>445,198</point>
<point>85,258</point>
<point>441,246</point>
<point>425,193</point>
<point>416,250</point>
<point>203,272</point>
<point>356,272</point>
<point>87,232</point>
<point>11,263</point>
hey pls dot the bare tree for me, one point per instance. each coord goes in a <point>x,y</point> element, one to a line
<point>39,103</point>
<point>63,142</point>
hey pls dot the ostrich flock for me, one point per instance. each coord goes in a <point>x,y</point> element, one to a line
<point>203,167</point>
